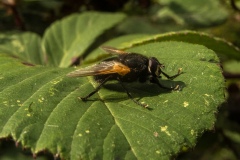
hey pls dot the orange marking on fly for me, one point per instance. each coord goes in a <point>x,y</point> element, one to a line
<point>121,69</point>
<point>118,68</point>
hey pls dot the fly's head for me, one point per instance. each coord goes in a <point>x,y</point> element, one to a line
<point>154,67</point>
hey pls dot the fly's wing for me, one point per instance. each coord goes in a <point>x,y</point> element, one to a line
<point>105,67</point>
<point>112,50</point>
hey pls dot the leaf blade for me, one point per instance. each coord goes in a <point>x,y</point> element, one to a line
<point>69,38</point>
<point>26,46</point>
<point>53,118</point>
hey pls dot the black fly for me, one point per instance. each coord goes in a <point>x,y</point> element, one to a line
<point>124,67</point>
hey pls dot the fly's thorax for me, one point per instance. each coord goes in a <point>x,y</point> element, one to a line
<point>134,60</point>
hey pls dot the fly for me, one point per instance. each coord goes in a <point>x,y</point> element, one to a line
<point>125,67</point>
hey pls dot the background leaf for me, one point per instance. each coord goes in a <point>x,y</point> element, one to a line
<point>26,46</point>
<point>68,39</point>
<point>41,110</point>
<point>176,15</point>
<point>193,13</point>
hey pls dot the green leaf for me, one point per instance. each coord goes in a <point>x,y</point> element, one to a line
<point>224,49</point>
<point>26,46</point>
<point>40,109</point>
<point>68,39</point>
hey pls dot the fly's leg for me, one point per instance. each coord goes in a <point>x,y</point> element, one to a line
<point>174,76</point>
<point>131,97</point>
<point>96,90</point>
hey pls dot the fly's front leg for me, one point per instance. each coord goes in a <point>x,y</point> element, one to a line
<point>174,76</point>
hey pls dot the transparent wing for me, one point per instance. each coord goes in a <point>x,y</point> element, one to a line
<point>112,50</point>
<point>105,67</point>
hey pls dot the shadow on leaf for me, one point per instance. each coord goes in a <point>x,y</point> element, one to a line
<point>140,90</point>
